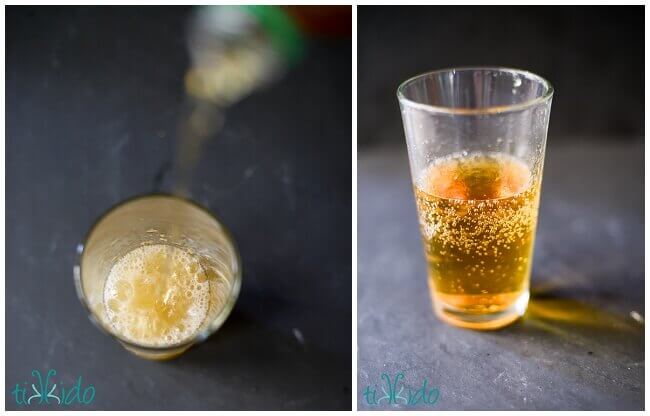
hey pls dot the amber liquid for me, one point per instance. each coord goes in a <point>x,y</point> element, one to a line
<point>478,215</point>
<point>157,295</point>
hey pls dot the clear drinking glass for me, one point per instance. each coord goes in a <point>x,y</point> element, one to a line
<point>476,139</point>
<point>159,274</point>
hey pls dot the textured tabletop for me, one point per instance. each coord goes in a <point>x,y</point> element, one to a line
<point>93,100</point>
<point>578,347</point>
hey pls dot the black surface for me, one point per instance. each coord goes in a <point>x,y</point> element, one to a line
<point>93,98</point>
<point>578,346</point>
<point>592,55</point>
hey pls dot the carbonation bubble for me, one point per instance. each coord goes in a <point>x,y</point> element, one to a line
<point>157,295</point>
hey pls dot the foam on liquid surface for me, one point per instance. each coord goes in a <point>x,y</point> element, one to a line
<point>157,295</point>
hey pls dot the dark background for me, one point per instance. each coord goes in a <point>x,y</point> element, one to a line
<point>593,56</point>
<point>579,346</point>
<point>93,99</point>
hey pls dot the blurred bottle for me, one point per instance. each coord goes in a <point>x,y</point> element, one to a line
<point>237,49</point>
<point>234,50</point>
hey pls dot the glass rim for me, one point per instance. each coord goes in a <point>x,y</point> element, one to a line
<point>548,94</point>
<point>81,294</point>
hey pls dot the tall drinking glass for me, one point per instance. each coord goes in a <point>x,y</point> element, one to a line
<point>476,139</point>
<point>159,274</point>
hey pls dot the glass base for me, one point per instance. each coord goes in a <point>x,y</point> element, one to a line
<point>154,355</point>
<point>483,320</point>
